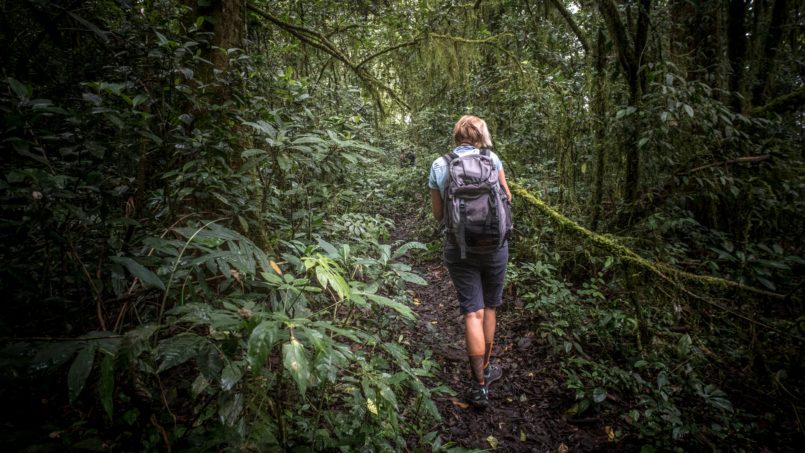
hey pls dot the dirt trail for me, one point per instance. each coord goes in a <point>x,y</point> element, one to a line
<point>527,405</point>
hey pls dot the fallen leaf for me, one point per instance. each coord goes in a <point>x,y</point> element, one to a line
<point>562,448</point>
<point>275,267</point>
<point>416,301</point>
<point>434,322</point>
<point>493,442</point>
<point>522,436</point>
<point>55,434</point>
<point>523,398</point>
<point>530,374</point>
<point>610,433</point>
<point>458,403</point>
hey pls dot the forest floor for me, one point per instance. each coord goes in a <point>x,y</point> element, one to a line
<point>527,405</point>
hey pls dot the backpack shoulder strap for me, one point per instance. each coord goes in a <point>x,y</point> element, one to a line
<point>449,157</point>
<point>485,152</point>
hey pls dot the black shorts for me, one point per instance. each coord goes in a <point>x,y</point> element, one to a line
<point>478,278</point>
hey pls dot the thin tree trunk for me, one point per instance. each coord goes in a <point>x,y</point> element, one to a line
<point>736,50</point>
<point>599,109</point>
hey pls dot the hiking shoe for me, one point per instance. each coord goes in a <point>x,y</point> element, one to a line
<point>492,373</point>
<point>479,395</point>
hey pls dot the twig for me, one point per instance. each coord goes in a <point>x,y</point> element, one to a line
<point>95,291</point>
<point>162,432</point>
<point>727,162</point>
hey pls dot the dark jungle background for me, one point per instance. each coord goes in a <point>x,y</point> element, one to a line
<point>214,219</point>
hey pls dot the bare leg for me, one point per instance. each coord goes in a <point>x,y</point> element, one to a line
<point>474,333</point>
<point>489,322</point>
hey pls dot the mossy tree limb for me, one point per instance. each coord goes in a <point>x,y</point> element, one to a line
<point>664,271</point>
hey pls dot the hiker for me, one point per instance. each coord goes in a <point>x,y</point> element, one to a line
<point>476,258</point>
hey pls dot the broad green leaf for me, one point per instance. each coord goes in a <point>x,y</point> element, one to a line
<point>22,90</point>
<point>177,350</point>
<point>54,355</point>
<point>263,127</point>
<point>413,278</point>
<point>388,395</point>
<point>332,252</point>
<point>642,142</point>
<point>688,110</point>
<point>106,384</point>
<point>408,246</point>
<point>147,277</point>
<point>230,376</point>
<point>399,354</point>
<point>80,369</point>
<point>296,362</point>
<point>209,362</point>
<point>345,332</point>
<point>230,406</point>
<point>261,342</point>
<point>386,302</point>
<point>199,385</point>
<point>599,395</point>
<point>327,277</point>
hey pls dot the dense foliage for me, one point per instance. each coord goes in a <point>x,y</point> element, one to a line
<point>198,201</point>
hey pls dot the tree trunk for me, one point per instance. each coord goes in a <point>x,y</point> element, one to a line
<point>630,57</point>
<point>736,50</point>
<point>599,110</point>
<point>765,63</point>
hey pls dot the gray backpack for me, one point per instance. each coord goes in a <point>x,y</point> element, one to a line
<point>477,213</point>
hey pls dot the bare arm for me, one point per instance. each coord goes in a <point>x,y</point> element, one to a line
<point>436,204</point>
<point>502,179</point>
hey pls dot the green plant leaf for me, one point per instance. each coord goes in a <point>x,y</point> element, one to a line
<point>230,376</point>
<point>408,246</point>
<point>296,362</point>
<point>413,278</point>
<point>261,341</point>
<point>54,355</point>
<point>177,350</point>
<point>79,370</point>
<point>147,277</point>
<point>22,90</point>
<point>106,385</point>
<point>396,306</point>
<point>230,406</point>
<point>599,395</point>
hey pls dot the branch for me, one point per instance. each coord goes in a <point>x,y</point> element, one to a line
<point>782,104</point>
<point>663,271</point>
<point>727,162</point>
<point>585,44</point>
<point>390,49</point>
<point>321,42</point>
<point>617,32</point>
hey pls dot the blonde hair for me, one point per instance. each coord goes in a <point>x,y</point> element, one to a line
<point>472,130</point>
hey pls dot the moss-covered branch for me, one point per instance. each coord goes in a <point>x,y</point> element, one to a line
<point>786,103</point>
<point>664,271</point>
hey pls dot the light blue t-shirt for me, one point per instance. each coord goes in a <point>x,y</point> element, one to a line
<point>438,170</point>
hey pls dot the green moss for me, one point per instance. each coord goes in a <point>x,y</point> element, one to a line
<point>672,275</point>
